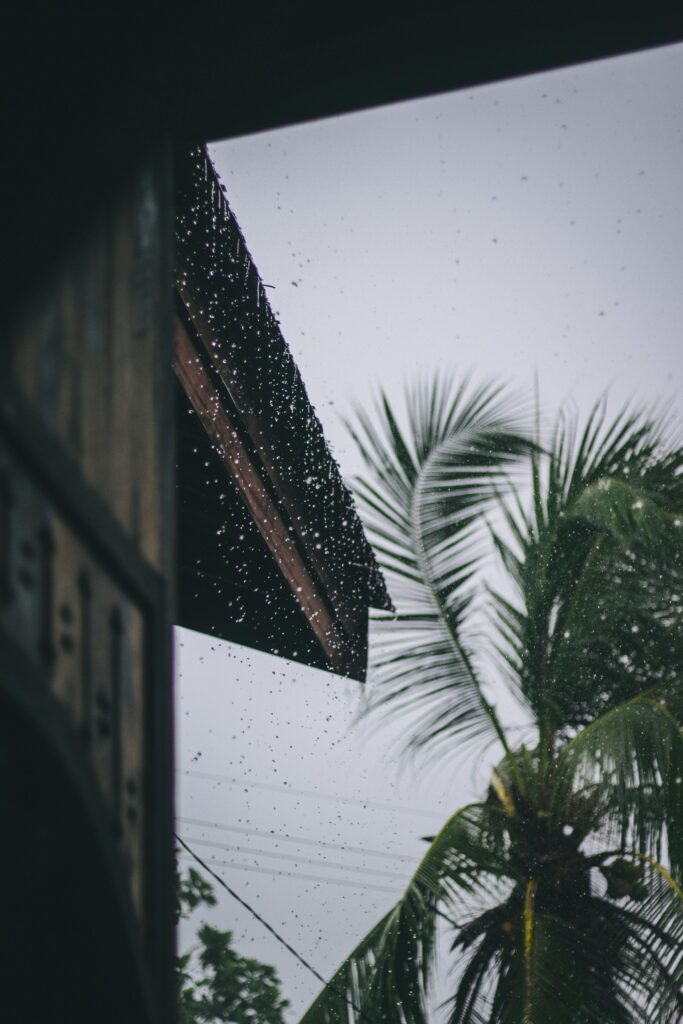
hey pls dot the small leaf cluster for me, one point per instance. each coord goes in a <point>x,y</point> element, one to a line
<point>214,982</point>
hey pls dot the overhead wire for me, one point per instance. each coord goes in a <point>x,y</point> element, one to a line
<point>283,942</point>
<point>314,793</point>
<point>302,876</point>
<point>284,837</point>
<point>296,859</point>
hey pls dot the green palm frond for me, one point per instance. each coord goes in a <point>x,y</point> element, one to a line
<point>633,755</point>
<point>597,566</point>
<point>591,967</point>
<point>386,978</point>
<point>560,906</point>
<point>647,964</point>
<point>574,958</point>
<point>424,509</point>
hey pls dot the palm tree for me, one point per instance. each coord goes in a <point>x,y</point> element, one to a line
<point>552,889</point>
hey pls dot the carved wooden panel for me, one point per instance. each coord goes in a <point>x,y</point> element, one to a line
<point>88,354</point>
<point>86,638</point>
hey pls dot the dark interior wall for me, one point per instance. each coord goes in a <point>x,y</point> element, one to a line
<point>86,475</point>
<point>67,947</point>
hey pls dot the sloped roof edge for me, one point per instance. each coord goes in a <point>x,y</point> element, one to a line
<point>220,286</point>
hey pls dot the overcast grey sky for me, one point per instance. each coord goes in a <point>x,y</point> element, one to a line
<point>530,227</point>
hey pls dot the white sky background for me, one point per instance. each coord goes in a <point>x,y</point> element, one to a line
<point>530,227</point>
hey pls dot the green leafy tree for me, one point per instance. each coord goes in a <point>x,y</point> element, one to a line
<point>214,983</point>
<point>560,889</point>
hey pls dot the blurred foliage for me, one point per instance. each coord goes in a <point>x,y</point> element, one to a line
<point>214,983</point>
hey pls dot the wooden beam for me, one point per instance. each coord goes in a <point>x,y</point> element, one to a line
<point>276,533</point>
<point>347,609</point>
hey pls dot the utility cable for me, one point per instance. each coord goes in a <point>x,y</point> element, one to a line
<point>283,942</point>
<point>284,788</point>
<point>301,876</point>
<point>283,837</point>
<point>296,859</point>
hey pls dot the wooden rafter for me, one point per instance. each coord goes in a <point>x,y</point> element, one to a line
<point>277,534</point>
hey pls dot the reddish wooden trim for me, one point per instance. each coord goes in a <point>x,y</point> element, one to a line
<point>350,612</point>
<point>271,525</point>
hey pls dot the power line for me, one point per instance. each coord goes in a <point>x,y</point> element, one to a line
<point>300,876</point>
<point>284,788</point>
<point>295,859</point>
<point>273,932</point>
<point>301,840</point>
